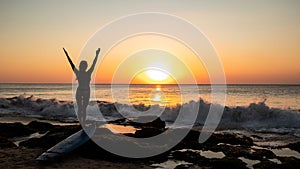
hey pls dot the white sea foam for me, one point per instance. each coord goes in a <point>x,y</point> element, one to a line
<point>256,116</point>
<point>36,106</point>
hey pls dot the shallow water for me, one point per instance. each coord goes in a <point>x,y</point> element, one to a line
<point>120,129</point>
<point>281,152</point>
<point>249,163</point>
<point>211,154</point>
<point>286,152</point>
<point>170,164</point>
<point>18,140</point>
<point>268,138</point>
<point>206,153</point>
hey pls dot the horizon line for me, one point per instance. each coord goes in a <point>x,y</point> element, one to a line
<point>154,84</point>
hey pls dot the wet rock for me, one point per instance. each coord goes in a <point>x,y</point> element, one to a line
<point>55,135</point>
<point>147,126</point>
<point>237,145</point>
<point>5,143</point>
<point>92,151</point>
<point>232,139</point>
<point>11,130</point>
<point>141,122</point>
<point>41,127</point>
<point>289,162</point>
<point>185,166</point>
<point>147,132</point>
<point>232,151</point>
<point>243,151</point>
<point>261,154</point>
<point>121,121</point>
<point>256,136</point>
<point>294,146</point>
<point>266,164</point>
<point>227,163</point>
<point>147,122</point>
<point>190,141</point>
<point>189,156</point>
<point>196,159</point>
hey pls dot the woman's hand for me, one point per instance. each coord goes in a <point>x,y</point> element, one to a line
<point>97,51</point>
<point>94,62</point>
<point>65,52</point>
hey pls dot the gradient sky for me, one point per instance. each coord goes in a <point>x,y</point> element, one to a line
<point>257,41</point>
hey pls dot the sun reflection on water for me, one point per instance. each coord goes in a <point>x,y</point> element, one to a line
<point>162,95</point>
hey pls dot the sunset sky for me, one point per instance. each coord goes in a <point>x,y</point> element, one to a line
<point>258,42</point>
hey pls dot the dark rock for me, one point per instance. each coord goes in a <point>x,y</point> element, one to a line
<point>227,163</point>
<point>189,156</point>
<point>289,162</point>
<point>41,127</point>
<point>5,143</point>
<point>266,164</point>
<point>232,139</point>
<point>146,125</point>
<point>147,122</point>
<point>261,154</point>
<point>11,130</point>
<point>92,151</point>
<point>141,122</point>
<point>183,166</point>
<point>190,141</point>
<point>121,121</point>
<point>232,151</point>
<point>242,151</point>
<point>196,158</point>
<point>37,143</point>
<point>256,136</point>
<point>294,146</point>
<point>55,135</point>
<point>147,132</point>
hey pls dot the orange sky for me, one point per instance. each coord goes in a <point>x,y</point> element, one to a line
<point>129,60</point>
<point>257,41</point>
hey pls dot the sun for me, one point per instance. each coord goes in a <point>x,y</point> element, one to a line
<point>153,75</point>
<point>156,74</point>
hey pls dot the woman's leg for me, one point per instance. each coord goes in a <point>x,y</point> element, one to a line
<point>86,100</point>
<point>79,100</point>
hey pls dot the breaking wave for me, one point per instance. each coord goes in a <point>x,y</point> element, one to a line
<point>255,116</point>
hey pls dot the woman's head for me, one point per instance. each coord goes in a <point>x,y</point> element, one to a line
<point>83,65</point>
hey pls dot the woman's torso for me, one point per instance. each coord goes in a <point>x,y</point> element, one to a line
<point>84,79</point>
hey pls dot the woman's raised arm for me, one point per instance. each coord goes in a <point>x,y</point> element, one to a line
<point>95,61</point>
<point>70,61</point>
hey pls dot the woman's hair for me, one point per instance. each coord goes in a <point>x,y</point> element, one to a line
<point>83,65</point>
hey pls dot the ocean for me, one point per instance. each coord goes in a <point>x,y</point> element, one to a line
<point>247,106</point>
<point>285,97</point>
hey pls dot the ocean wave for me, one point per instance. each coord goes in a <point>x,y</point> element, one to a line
<point>255,116</point>
<point>259,115</point>
<point>32,105</point>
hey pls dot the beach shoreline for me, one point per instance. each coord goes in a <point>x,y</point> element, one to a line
<point>25,158</point>
<point>225,150</point>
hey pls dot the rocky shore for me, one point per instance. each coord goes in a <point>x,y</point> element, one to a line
<point>20,144</point>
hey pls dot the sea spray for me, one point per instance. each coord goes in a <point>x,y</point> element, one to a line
<point>255,116</point>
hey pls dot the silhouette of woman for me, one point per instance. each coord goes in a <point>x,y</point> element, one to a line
<point>83,89</point>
